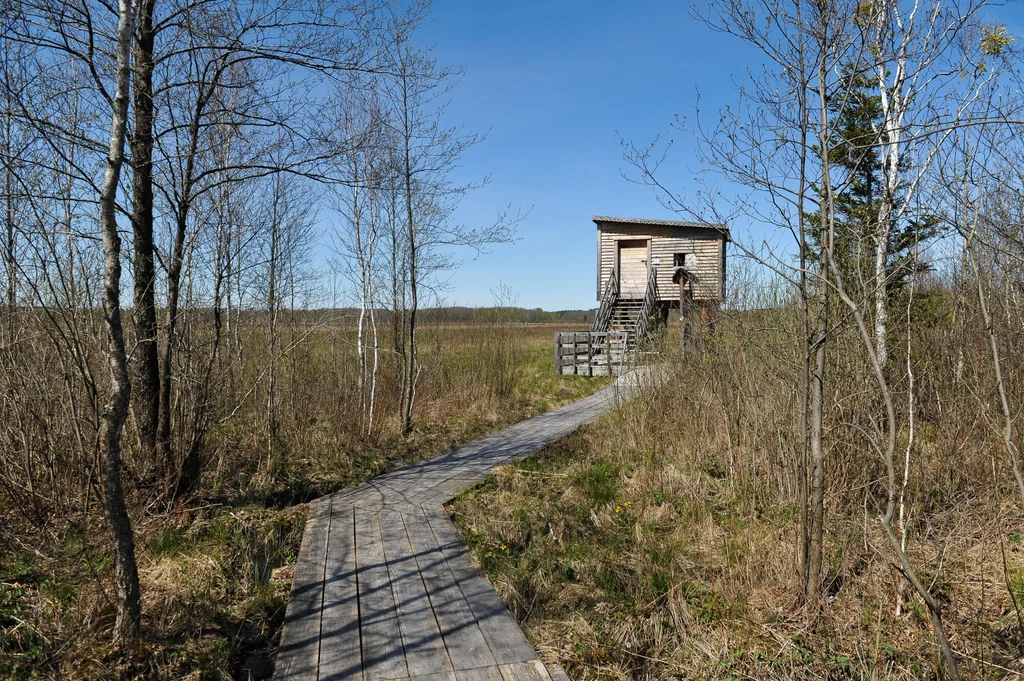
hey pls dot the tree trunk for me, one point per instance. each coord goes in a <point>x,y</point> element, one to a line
<point>10,238</point>
<point>881,280</point>
<point>147,363</point>
<point>807,345</point>
<point>10,244</point>
<point>165,451</point>
<point>893,100</point>
<point>410,366</point>
<point>397,297</point>
<point>817,399</point>
<point>192,460</point>
<point>126,575</point>
<point>273,308</point>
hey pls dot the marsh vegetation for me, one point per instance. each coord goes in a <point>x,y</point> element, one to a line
<point>664,541</point>
<point>215,567</point>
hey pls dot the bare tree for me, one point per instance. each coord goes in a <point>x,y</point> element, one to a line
<point>368,175</point>
<point>428,151</point>
<point>126,577</point>
<point>147,363</point>
<point>218,78</point>
<point>766,146</point>
<point>288,233</point>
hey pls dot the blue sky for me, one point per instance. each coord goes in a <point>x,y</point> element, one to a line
<point>555,82</point>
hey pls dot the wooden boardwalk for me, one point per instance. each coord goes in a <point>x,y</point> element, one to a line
<point>384,587</point>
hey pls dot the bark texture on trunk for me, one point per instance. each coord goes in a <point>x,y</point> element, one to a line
<point>164,448</point>
<point>147,364</point>
<point>410,374</point>
<point>126,574</point>
<point>882,285</point>
<point>816,420</point>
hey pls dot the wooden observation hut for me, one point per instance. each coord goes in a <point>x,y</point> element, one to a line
<point>645,269</point>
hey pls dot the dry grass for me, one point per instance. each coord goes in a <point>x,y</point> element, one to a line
<point>662,541</point>
<point>216,568</point>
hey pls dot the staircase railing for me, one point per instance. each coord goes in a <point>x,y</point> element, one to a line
<point>643,322</point>
<point>608,298</point>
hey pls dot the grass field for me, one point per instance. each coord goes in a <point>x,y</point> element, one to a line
<point>216,569</point>
<point>661,542</point>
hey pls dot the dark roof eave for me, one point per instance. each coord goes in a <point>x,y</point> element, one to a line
<point>643,222</point>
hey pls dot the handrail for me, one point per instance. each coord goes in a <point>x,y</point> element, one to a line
<point>643,322</point>
<point>608,299</point>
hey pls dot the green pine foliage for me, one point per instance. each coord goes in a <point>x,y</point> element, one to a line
<point>858,181</point>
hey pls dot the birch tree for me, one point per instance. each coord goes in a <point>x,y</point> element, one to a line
<point>428,151</point>
<point>929,81</point>
<point>366,177</point>
<point>126,577</point>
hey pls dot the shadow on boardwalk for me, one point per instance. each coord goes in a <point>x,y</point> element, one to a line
<point>384,587</point>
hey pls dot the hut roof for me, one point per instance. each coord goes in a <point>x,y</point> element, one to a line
<point>721,229</point>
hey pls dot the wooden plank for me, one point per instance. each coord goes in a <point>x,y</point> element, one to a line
<point>558,352</point>
<point>298,656</point>
<point>501,631</point>
<point>425,652</point>
<point>443,676</point>
<point>480,674</point>
<point>590,356</point>
<point>340,650</point>
<point>462,637</point>
<point>383,655</point>
<point>525,671</point>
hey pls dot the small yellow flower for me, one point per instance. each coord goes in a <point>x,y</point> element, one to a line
<point>490,553</point>
<point>627,503</point>
<point>618,509</point>
<point>502,547</point>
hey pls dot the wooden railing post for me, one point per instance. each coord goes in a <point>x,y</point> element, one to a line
<point>575,354</point>
<point>558,352</point>
<point>608,298</point>
<point>643,322</point>
<point>590,354</point>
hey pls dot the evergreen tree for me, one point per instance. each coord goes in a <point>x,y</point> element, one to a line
<point>856,167</point>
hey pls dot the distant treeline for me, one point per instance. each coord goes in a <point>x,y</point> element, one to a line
<point>430,315</point>
<point>440,315</point>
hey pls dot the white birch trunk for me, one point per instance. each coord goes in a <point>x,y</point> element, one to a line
<point>902,518</point>
<point>893,100</point>
<point>126,577</point>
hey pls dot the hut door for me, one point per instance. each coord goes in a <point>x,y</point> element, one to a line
<point>632,268</point>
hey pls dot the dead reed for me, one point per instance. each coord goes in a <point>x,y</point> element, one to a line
<point>215,565</point>
<point>663,542</point>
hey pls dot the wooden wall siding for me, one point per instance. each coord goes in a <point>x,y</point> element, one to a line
<point>705,257</point>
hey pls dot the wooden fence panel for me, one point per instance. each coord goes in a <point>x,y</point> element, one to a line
<point>591,353</point>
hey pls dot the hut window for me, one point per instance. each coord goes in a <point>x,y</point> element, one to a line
<point>679,260</point>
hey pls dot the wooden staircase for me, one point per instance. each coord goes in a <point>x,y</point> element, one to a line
<point>626,316</point>
<point>619,325</point>
<point>632,315</point>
